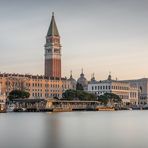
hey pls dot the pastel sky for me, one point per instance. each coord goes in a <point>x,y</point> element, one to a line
<point>100,36</point>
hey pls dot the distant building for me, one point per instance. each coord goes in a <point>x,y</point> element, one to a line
<point>128,93</point>
<point>0,89</point>
<point>142,85</point>
<point>2,99</point>
<point>83,81</point>
<point>37,86</point>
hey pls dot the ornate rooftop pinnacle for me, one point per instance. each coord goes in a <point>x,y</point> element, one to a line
<point>71,74</point>
<point>82,74</point>
<point>93,77</point>
<point>109,76</point>
<point>53,30</point>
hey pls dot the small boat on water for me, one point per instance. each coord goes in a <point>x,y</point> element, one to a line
<point>105,108</point>
<point>62,110</point>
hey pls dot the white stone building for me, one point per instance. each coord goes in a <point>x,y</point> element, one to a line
<point>127,92</point>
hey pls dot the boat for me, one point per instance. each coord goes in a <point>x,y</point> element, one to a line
<point>62,110</point>
<point>105,108</point>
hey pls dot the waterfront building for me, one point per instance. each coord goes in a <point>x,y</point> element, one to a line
<point>83,81</point>
<point>0,89</point>
<point>127,92</point>
<point>142,85</point>
<point>37,86</point>
<point>2,100</point>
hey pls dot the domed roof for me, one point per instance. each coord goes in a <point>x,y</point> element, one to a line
<point>72,79</point>
<point>93,80</point>
<point>82,80</point>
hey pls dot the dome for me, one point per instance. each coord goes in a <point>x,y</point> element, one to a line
<point>93,80</point>
<point>109,77</point>
<point>82,80</point>
<point>73,81</point>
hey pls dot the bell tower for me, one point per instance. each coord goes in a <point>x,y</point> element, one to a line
<point>53,51</point>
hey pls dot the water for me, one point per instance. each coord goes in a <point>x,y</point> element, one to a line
<point>120,129</point>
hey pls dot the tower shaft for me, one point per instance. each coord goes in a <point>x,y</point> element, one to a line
<point>53,51</point>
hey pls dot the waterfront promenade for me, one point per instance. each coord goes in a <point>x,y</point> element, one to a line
<point>42,105</point>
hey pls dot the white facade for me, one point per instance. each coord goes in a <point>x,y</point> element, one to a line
<point>124,90</point>
<point>100,88</point>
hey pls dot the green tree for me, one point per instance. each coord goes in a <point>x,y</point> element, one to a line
<point>18,94</point>
<point>78,94</point>
<point>109,97</point>
<point>103,99</point>
<point>69,94</point>
<point>113,97</point>
<point>79,86</point>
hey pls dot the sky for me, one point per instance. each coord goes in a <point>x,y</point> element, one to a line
<point>100,36</point>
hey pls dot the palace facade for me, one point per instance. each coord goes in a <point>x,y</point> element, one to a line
<point>37,86</point>
<point>127,92</point>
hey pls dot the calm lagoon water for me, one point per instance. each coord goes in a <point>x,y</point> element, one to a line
<point>119,129</point>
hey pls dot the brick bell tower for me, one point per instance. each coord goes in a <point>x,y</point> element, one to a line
<point>53,51</point>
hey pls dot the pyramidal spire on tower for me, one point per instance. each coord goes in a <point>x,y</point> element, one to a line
<point>53,30</point>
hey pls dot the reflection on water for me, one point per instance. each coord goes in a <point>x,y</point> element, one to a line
<point>122,129</point>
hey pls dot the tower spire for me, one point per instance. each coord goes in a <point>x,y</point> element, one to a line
<point>53,30</point>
